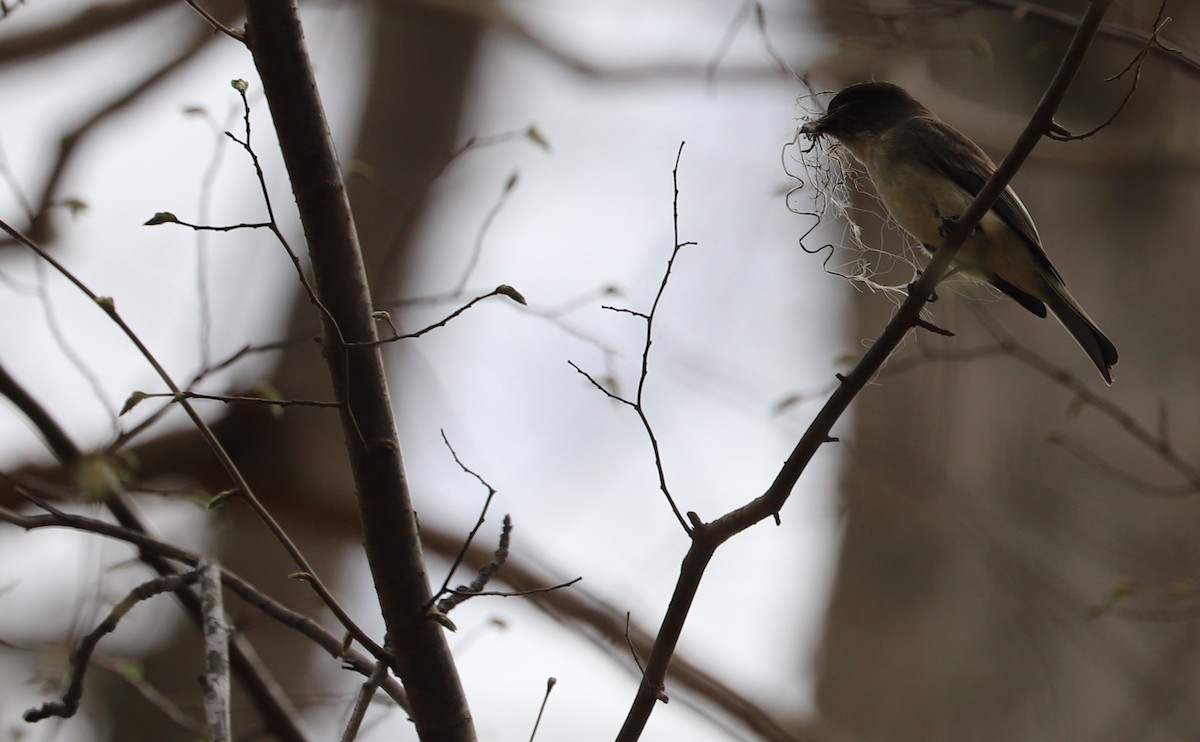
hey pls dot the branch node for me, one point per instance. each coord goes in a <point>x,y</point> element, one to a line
<point>927,325</point>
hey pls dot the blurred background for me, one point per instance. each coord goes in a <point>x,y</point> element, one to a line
<point>998,548</point>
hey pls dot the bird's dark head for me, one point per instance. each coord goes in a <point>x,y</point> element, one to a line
<point>865,109</point>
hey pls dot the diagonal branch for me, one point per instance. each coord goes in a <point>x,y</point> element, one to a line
<point>81,656</point>
<point>707,537</point>
<point>268,698</point>
<point>422,656</point>
<point>147,545</point>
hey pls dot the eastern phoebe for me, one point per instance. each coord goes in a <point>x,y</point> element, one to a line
<point>927,173</point>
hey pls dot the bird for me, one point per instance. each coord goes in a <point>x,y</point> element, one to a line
<point>927,173</point>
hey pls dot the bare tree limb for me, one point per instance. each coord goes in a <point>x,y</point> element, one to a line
<point>331,644</point>
<point>70,142</point>
<point>217,692</point>
<point>362,701</point>
<point>707,537</point>
<point>263,689</point>
<point>422,657</point>
<point>241,486</point>
<point>69,704</point>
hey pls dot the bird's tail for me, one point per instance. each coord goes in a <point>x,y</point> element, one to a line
<point>1098,347</point>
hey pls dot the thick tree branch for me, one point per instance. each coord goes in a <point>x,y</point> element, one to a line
<point>422,657</point>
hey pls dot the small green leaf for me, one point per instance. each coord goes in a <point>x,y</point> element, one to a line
<point>130,669</point>
<point>1120,590</point>
<point>267,391</point>
<point>240,85</point>
<point>75,205</point>
<point>219,499</point>
<point>161,217</point>
<point>362,169</point>
<point>534,135</point>
<point>610,383</point>
<point>133,401</point>
<point>1075,408</point>
<point>505,290</point>
<point>436,615</point>
<point>98,474</point>
<point>194,111</point>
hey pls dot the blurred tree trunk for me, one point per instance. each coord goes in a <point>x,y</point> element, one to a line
<point>973,547</point>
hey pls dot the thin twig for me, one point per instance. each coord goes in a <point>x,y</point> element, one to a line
<point>228,398</point>
<point>1135,64</point>
<point>208,183</point>
<point>603,389</point>
<point>73,356</point>
<point>231,469</point>
<point>550,683</point>
<point>1133,482</point>
<point>125,437</point>
<point>632,649</point>
<point>331,644</point>
<point>70,143</point>
<point>483,576</point>
<point>1157,442</point>
<point>707,537</point>
<point>261,687</point>
<point>648,317</point>
<point>1188,61</point>
<point>473,261</point>
<point>241,86</point>
<point>516,593</point>
<point>212,20</point>
<point>69,704</point>
<point>501,290</point>
<point>363,701</point>
<point>166,217</point>
<point>130,673</point>
<point>462,552</point>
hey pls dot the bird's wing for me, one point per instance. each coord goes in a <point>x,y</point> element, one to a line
<point>966,164</point>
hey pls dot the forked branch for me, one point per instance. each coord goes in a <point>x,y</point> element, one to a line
<point>707,537</point>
